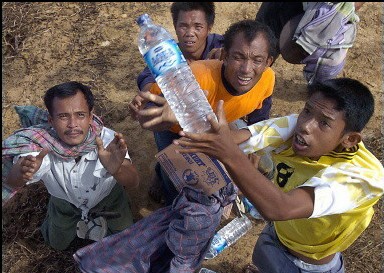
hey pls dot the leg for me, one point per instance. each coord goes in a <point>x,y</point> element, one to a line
<point>277,14</point>
<point>59,226</point>
<point>116,202</point>
<point>290,51</point>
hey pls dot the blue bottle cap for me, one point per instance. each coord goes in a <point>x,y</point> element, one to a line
<point>142,19</point>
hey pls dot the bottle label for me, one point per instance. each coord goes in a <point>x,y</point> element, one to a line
<point>164,56</point>
<point>218,243</point>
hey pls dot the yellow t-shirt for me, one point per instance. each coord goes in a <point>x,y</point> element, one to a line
<point>347,184</point>
<point>208,75</point>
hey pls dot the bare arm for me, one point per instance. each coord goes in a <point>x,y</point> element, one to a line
<point>270,201</point>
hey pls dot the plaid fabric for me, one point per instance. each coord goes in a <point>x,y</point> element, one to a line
<point>326,31</point>
<point>172,239</point>
<point>40,135</point>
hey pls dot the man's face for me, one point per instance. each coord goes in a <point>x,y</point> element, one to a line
<point>192,30</point>
<point>245,62</point>
<point>319,129</point>
<point>71,118</point>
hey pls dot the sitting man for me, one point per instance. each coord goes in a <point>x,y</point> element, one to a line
<point>243,80</point>
<point>84,166</point>
<point>326,182</point>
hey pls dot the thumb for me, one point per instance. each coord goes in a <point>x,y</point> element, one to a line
<point>220,112</point>
<point>99,143</point>
<point>42,154</point>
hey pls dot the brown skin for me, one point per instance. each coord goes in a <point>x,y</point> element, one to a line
<point>319,124</point>
<point>272,203</point>
<point>244,63</point>
<point>71,119</point>
<point>192,30</point>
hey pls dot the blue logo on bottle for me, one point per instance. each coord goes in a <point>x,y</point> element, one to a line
<point>163,57</point>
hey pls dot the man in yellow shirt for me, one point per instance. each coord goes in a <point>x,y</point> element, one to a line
<point>244,80</point>
<point>325,184</point>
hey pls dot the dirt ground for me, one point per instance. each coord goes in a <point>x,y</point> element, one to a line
<point>44,44</point>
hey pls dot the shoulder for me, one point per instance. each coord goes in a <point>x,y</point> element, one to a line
<point>206,64</point>
<point>215,40</point>
<point>206,68</point>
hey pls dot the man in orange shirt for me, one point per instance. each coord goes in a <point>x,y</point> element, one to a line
<point>243,80</point>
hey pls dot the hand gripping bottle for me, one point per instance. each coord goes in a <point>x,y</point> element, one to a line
<point>174,76</point>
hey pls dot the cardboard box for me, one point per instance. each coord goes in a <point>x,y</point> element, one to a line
<point>193,169</point>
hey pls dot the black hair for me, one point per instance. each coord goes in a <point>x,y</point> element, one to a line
<point>207,7</point>
<point>351,96</point>
<point>65,90</point>
<point>250,29</point>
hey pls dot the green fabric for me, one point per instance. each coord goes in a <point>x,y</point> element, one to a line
<point>59,226</point>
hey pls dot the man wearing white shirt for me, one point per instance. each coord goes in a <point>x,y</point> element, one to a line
<point>84,166</point>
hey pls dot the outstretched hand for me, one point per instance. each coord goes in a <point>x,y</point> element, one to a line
<point>113,155</point>
<point>29,165</point>
<point>135,106</point>
<point>217,142</point>
<point>157,117</point>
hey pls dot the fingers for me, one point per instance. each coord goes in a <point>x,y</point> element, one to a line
<point>99,143</point>
<point>220,112</point>
<point>135,105</point>
<point>151,112</point>
<point>119,138</point>
<point>27,167</point>
<point>153,98</point>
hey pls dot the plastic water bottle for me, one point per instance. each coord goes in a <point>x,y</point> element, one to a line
<point>174,76</point>
<point>228,235</point>
<point>250,208</point>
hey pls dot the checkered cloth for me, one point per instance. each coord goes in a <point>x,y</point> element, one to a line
<point>172,239</point>
<point>39,134</point>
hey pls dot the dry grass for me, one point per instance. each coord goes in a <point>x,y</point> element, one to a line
<point>23,248</point>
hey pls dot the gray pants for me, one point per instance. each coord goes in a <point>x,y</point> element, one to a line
<point>59,226</point>
<point>271,256</point>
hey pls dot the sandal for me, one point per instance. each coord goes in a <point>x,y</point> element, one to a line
<point>251,268</point>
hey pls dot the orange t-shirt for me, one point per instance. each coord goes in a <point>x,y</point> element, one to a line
<point>208,75</point>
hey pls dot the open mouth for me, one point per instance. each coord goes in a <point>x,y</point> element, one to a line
<point>300,140</point>
<point>189,43</point>
<point>244,80</point>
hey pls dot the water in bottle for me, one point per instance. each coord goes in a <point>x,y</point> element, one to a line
<point>228,235</point>
<point>174,76</point>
